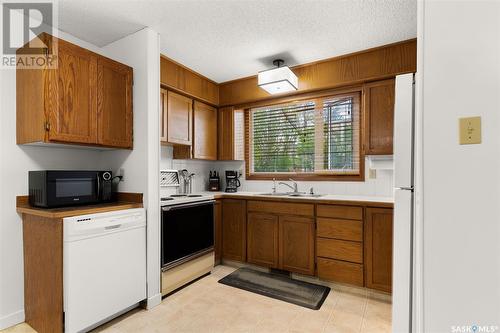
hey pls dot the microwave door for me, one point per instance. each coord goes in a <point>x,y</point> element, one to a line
<point>75,189</point>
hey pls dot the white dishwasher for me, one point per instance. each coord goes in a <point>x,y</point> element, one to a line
<point>104,266</point>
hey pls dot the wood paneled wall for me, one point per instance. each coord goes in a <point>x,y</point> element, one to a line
<point>368,65</point>
<point>179,78</point>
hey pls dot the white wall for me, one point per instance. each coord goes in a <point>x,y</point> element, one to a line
<point>139,50</point>
<point>460,44</point>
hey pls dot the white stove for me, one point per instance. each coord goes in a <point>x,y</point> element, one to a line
<point>185,257</point>
<point>176,199</point>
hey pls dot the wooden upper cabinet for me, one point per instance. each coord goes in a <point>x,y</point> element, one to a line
<point>72,95</point>
<point>378,248</point>
<point>205,131</point>
<point>378,105</point>
<point>86,100</point>
<point>296,244</point>
<point>180,78</point>
<point>114,103</point>
<point>231,134</point>
<point>179,119</point>
<point>234,229</point>
<point>262,239</point>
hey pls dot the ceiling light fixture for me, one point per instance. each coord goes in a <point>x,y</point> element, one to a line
<point>278,80</point>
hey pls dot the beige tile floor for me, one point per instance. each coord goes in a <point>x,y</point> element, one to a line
<point>208,306</point>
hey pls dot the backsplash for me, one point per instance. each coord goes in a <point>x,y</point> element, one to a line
<point>201,170</point>
<point>381,186</point>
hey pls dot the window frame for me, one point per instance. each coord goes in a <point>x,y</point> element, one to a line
<point>307,176</point>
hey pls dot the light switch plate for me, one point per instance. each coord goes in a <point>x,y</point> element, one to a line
<point>470,130</point>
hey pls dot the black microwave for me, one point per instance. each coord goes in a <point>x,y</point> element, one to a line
<point>57,188</point>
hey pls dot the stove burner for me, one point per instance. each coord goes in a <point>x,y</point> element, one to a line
<point>194,195</point>
<point>166,199</point>
<point>178,195</point>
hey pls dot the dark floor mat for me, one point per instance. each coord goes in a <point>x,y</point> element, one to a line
<point>280,287</point>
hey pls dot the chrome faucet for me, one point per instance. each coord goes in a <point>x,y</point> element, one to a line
<point>295,186</point>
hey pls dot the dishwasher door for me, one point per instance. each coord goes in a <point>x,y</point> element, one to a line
<point>104,266</point>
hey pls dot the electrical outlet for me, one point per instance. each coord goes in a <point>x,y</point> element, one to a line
<point>470,130</point>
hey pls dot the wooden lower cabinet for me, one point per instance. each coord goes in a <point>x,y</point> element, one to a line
<point>296,244</point>
<point>234,229</point>
<point>218,231</point>
<point>378,248</point>
<point>340,249</point>
<point>262,239</point>
<point>340,271</point>
<point>346,244</point>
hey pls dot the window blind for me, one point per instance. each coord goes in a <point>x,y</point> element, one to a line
<point>312,136</point>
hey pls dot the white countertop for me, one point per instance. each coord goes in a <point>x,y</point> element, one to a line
<point>326,197</point>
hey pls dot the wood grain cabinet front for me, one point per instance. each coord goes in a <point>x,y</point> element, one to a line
<point>179,119</point>
<point>205,131</point>
<point>86,99</point>
<point>378,105</point>
<point>114,104</point>
<point>234,229</point>
<point>378,248</point>
<point>231,134</point>
<point>218,231</point>
<point>262,239</point>
<point>296,244</point>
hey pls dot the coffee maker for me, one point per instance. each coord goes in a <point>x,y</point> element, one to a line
<point>232,181</point>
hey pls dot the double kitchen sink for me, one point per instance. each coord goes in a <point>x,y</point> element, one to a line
<point>293,194</point>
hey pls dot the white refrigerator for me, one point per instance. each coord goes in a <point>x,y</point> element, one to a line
<point>404,203</point>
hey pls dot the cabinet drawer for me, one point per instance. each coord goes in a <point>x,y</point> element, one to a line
<point>339,249</point>
<point>281,208</point>
<point>340,212</point>
<point>340,229</point>
<point>340,271</point>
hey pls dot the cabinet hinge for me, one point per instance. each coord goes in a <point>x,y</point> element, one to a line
<point>47,126</point>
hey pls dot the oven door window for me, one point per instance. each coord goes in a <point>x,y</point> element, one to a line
<point>186,231</point>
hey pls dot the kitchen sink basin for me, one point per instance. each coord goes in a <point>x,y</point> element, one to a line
<point>305,195</point>
<point>300,195</point>
<point>277,194</point>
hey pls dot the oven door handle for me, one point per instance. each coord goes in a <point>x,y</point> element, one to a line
<point>187,205</point>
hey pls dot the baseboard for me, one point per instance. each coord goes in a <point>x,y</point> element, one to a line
<point>153,301</point>
<point>12,319</point>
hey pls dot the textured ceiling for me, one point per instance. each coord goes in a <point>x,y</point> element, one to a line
<point>229,39</point>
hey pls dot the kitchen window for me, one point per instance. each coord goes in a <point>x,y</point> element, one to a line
<point>313,139</point>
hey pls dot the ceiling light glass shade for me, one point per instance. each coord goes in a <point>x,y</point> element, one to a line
<point>278,80</point>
